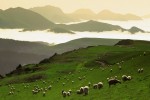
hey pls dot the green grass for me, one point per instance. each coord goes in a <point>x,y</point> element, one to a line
<point>79,63</point>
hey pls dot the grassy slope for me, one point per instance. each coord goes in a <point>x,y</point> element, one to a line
<point>60,65</point>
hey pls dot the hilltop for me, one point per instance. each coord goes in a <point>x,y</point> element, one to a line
<point>23,18</point>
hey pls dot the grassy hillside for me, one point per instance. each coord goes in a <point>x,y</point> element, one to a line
<point>93,64</point>
<point>13,53</point>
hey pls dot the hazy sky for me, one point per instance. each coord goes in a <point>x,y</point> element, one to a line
<point>139,7</point>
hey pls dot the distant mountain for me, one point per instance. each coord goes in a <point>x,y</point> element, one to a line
<point>29,20</point>
<point>23,18</point>
<point>53,14</point>
<point>91,26</point>
<point>108,15</point>
<point>13,53</point>
<point>95,26</point>
<point>83,14</point>
<point>135,30</point>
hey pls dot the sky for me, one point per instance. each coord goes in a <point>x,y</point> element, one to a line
<point>139,7</point>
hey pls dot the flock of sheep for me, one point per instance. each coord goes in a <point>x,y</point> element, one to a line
<point>111,81</point>
<point>82,90</point>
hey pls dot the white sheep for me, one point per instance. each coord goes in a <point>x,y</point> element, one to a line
<point>100,85</point>
<point>81,90</point>
<point>72,82</point>
<point>68,93</point>
<point>86,90</point>
<point>89,84</point>
<point>129,77</point>
<point>80,78</point>
<point>49,87</point>
<point>78,92</point>
<point>44,93</point>
<point>120,67</point>
<point>142,70</point>
<point>139,70</point>
<point>95,86</point>
<point>126,78</point>
<point>107,79</point>
<point>64,93</point>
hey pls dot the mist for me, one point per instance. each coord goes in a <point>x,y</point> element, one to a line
<point>57,38</point>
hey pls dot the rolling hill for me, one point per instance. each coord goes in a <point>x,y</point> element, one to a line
<point>13,53</point>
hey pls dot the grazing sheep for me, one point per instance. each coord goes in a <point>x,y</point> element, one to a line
<point>113,82</point>
<point>100,85</point>
<point>81,90</point>
<point>78,92</point>
<point>68,93</point>
<point>64,93</point>
<point>142,70</point>
<point>49,87</point>
<point>44,93</point>
<point>89,84</point>
<point>129,77</point>
<point>44,82</point>
<point>80,78</point>
<point>126,78</point>
<point>95,86</point>
<point>86,90</point>
<point>118,63</point>
<point>45,89</point>
<point>34,91</point>
<point>144,53</point>
<point>11,93</point>
<point>139,70</point>
<point>41,89</point>
<point>107,79</point>
<point>72,82</point>
<point>120,67</point>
